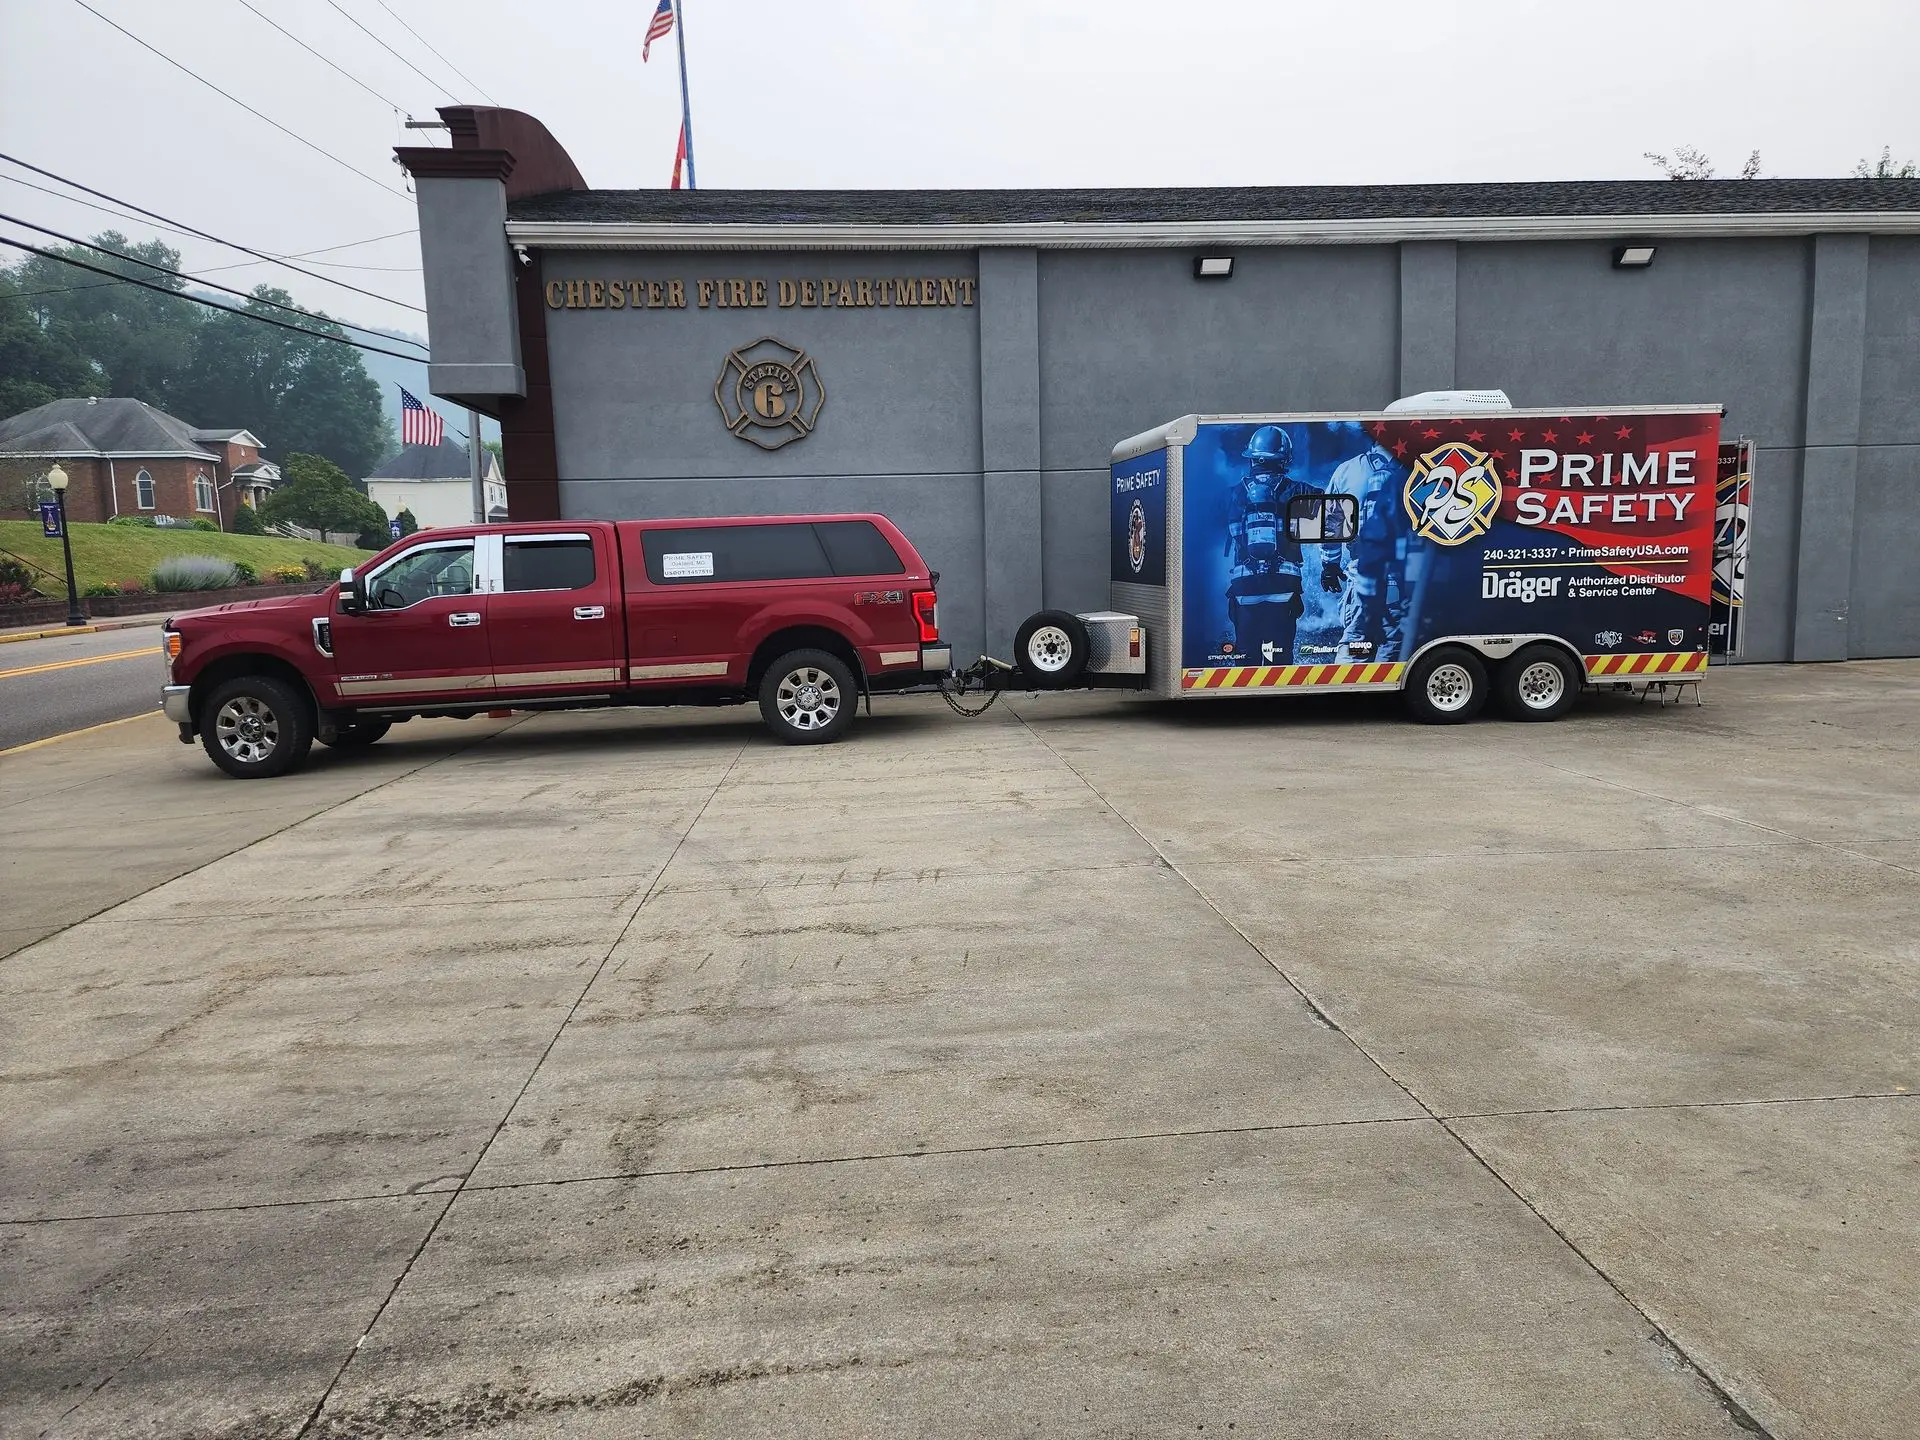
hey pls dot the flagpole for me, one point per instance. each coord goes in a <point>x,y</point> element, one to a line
<point>686,104</point>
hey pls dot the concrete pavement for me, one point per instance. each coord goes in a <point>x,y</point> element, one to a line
<point>1093,1068</point>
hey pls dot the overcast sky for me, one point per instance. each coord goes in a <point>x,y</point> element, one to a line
<point>905,93</point>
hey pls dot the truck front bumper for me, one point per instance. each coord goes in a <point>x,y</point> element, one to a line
<point>173,703</point>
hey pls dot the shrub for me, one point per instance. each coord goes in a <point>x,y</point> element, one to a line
<point>138,522</point>
<point>195,572</point>
<point>12,592</point>
<point>13,572</point>
<point>246,521</point>
<point>101,588</point>
<point>135,586</point>
<point>317,570</point>
<point>245,574</point>
<point>200,522</point>
<point>288,574</point>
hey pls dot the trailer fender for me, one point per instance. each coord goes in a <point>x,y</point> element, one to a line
<point>1496,648</point>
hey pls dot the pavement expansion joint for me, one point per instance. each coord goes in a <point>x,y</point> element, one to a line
<point>1897,1093</point>
<point>1736,1412</point>
<point>651,888</point>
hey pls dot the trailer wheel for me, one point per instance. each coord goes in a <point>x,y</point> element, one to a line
<point>1051,649</point>
<point>807,697</point>
<point>1447,686</point>
<point>1540,683</point>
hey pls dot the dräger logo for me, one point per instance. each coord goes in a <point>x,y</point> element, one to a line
<point>1515,586</point>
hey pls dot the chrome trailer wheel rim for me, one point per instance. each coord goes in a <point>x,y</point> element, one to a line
<point>1541,685</point>
<point>248,730</point>
<point>1449,687</point>
<point>808,698</point>
<point>1049,649</point>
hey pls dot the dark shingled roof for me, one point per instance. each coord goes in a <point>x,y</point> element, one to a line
<point>116,426</point>
<point>1274,203</point>
<point>423,462</point>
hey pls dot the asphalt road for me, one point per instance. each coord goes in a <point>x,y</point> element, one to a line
<point>68,682</point>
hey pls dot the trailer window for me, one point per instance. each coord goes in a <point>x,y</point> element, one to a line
<point>856,547</point>
<point>534,564</point>
<point>734,552</point>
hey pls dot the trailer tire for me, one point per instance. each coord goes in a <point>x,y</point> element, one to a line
<point>807,697</point>
<point>1051,649</point>
<point>1539,683</point>
<point>1447,686</point>
<point>256,726</point>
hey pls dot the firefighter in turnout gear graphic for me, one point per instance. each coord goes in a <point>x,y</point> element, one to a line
<point>1370,570</point>
<point>1264,601</point>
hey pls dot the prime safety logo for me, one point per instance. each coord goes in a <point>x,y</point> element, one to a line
<point>1452,494</point>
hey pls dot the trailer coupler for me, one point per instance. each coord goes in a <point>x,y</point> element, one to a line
<point>986,677</point>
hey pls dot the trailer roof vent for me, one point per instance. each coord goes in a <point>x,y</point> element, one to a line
<point>1453,400</point>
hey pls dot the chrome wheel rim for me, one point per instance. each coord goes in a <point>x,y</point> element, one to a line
<point>808,698</point>
<point>1541,685</point>
<point>247,729</point>
<point>1449,688</point>
<point>1048,649</point>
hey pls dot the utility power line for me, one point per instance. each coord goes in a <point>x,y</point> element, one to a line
<point>246,5</point>
<point>182,275</point>
<point>437,85</point>
<point>197,300</point>
<point>225,94</point>
<point>435,53</point>
<point>185,229</point>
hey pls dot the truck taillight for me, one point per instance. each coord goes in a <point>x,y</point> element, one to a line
<point>926,609</point>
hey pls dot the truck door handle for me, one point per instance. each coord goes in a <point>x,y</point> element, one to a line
<point>589,612</point>
<point>461,618</point>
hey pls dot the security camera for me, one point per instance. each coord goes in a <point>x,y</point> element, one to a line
<point>521,251</point>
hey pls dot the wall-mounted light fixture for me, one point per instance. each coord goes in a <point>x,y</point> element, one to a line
<point>1632,257</point>
<point>1213,267</point>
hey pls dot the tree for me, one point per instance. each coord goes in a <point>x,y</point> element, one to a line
<point>246,520</point>
<point>135,342</point>
<point>315,493</point>
<point>1887,168</point>
<point>1687,163</point>
<point>39,360</point>
<point>407,523</point>
<point>299,393</point>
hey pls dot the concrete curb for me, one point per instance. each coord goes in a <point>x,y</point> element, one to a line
<point>119,622</point>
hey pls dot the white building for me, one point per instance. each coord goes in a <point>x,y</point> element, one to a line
<point>433,481</point>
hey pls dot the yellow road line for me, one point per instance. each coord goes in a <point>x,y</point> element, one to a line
<point>75,734</point>
<point>83,660</point>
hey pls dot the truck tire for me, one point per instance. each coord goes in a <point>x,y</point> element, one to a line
<point>358,735</point>
<point>254,726</point>
<point>807,697</point>
<point>1540,683</point>
<point>1051,649</point>
<point>1447,686</point>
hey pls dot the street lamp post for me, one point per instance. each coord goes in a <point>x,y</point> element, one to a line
<point>57,478</point>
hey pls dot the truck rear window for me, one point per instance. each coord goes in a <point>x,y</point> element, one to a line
<point>794,551</point>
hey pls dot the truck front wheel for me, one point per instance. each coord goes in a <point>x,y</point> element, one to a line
<point>254,726</point>
<point>1540,683</point>
<point>1447,686</point>
<point>807,697</point>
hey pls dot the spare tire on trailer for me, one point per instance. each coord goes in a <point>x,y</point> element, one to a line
<point>1051,649</point>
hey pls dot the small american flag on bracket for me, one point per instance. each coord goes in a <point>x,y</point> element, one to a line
<point>418,424</point>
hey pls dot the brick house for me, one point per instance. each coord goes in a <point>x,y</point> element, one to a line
<point>125,457</point>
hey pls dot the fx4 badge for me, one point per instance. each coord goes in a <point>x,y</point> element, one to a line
<point>769,393</point>
<point>1452,494</point>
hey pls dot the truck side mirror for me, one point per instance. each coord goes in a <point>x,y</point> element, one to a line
<point>353,591</point>
<point>1322,519</point>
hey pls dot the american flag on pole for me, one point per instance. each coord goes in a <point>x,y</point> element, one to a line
<point>418,424</point>
<point>658,28</point>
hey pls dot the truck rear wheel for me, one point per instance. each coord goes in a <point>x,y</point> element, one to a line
<point>807,697</point>
<point>1540,683</point>
<point>1447,686</point>
<point>255,726</point>
<point>1051,649</point>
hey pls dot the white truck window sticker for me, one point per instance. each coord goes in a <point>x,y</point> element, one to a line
<point>689,565</point>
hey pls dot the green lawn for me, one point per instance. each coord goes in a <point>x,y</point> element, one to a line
<point>103,553</point>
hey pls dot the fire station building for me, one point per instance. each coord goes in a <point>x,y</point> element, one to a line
<point>964,361</point>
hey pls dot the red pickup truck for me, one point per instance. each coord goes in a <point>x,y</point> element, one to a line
<point>804,613</point>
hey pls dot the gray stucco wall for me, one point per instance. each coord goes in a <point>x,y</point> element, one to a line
<point>984,430</point>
